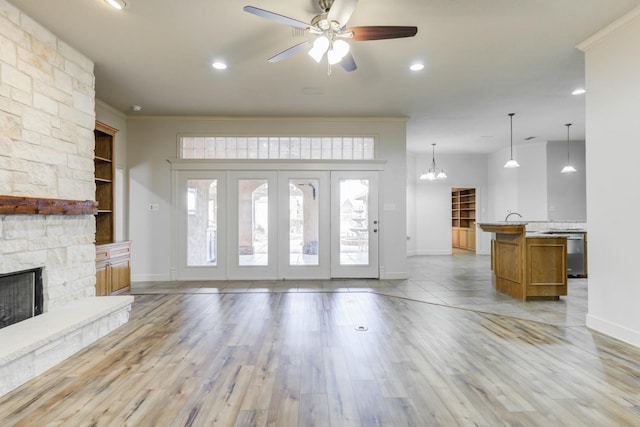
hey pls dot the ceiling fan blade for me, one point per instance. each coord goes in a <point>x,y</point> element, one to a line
<point>281,19</point>
<point>291,51</point>
<point>348,63</point>
<point>341,11</point>
<point>381,32</point>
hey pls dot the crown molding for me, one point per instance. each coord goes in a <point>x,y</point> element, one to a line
<point>609,30</point>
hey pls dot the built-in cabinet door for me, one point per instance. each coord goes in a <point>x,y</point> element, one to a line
<point>102,279</point>
<point>120,272</point>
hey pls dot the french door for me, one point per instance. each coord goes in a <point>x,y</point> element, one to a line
<point>355,224</point>
<point>266,224</point>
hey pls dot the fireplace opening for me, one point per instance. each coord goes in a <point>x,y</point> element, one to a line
<point>20,296</point>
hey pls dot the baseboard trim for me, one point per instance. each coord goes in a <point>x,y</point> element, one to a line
<point>613,330</point>
<point>150,278</point>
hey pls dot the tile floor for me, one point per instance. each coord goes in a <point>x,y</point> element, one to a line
<point>462,281</point>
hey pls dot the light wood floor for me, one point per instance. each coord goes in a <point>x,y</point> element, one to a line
<point>300,359</point>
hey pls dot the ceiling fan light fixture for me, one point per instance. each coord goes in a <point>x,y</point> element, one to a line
<point>338,51</point>
<point>320,46</point>
<point>116,4</point>
<point>329,27</point>
<point>341,48</point>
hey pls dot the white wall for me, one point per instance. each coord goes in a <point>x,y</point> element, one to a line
<point>151,141</point>
<point>412,241</point>
<point>523,189</point>
<point>612,106</point>
<point>433,201</point>
<point>537,190</point>
<point>566,192</point>
<point>532,181</point>
<point>503,185</point>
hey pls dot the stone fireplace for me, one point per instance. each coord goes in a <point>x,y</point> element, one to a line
<point>47,193</point>
<point>20,296</point>
<point>48,259</point>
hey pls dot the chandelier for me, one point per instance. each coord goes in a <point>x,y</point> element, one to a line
<point>433,173</point>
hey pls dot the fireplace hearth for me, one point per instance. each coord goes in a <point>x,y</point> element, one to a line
<point>20,296</point>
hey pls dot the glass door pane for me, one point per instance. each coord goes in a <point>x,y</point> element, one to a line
<point>303,221</point>
<point>202,222</point>
<point>253,222</point>
<point>252,205</point>
<point>354,215</point>
<point>201,225</point>
<point>303,225</point>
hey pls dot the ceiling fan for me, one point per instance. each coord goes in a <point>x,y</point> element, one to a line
<point>330,31</point>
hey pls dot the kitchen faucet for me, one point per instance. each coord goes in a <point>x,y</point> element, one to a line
<point>511,213</point>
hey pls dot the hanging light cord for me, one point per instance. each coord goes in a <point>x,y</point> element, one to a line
<point>433,157</point>
<point>511,123</point>
<point>568,125</point>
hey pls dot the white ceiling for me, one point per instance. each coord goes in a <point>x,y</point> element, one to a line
<point>483,59</point>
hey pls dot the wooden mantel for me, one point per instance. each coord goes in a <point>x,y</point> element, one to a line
<point>13,205</point>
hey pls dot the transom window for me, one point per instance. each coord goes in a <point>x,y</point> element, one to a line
<point>280,148</point>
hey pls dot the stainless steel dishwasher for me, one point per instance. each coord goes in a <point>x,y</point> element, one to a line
<point>575,255</point>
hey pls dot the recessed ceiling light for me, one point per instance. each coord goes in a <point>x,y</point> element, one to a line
<point>416,67</point>
<point>219,65</point>
<point>579,91</point>
<point>116,4</point>
<point>136,108</point>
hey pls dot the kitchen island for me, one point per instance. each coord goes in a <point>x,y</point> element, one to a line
<point>527,267</point>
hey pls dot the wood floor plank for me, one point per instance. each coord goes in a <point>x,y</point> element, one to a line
<point>296,359</point>
<point>314,410</point>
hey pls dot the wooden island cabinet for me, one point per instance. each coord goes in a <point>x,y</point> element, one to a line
<point>527,267</point>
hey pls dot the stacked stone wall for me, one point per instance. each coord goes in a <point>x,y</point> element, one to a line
<point>47,117</point>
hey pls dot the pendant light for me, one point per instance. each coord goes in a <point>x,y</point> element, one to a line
<point>568,168</point>
<point>511,163</point>
<point>433,173</point>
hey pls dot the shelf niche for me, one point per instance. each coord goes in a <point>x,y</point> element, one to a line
<point>113,267</point>
<point>104,161</point>
<point>463,218</point>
